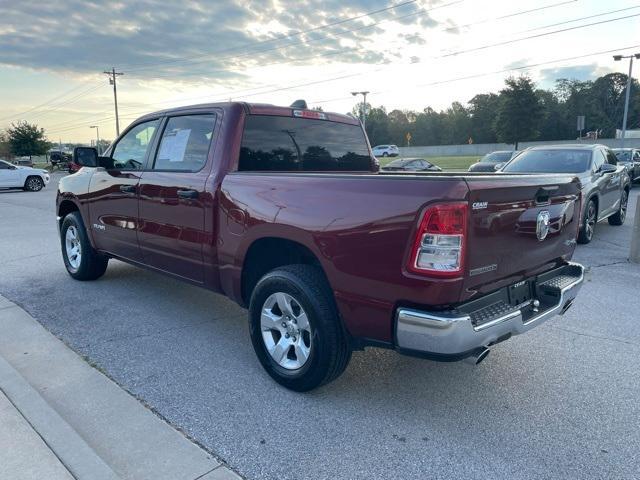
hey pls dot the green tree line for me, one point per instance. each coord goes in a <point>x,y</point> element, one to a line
<point>519,112</point>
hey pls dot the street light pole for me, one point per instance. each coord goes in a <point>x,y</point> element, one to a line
<point>97,137</point>
<point>617,58</point>
<point>363,113</point>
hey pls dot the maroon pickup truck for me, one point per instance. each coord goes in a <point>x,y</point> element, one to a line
<point>284,211</point>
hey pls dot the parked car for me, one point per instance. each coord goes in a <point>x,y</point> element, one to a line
<point>630,158</point>
<point>490,161</point>
<point>23,161</point>
<point>386,151</point>
<point>282,209</point>
<point>605,185</point>
<point>59,159</point>
<point>27,178</point>
<point>411,165</point>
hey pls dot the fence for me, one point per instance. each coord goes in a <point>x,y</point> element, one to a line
<point>480,149</point>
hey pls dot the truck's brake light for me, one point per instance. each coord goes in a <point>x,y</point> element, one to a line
<point>309,114</point>
<point>440,241</point>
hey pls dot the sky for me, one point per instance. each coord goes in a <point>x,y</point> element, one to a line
<point>408,54</point>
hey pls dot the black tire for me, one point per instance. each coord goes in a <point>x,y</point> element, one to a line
<point>33,184</point>
<point>385,154</point>
<point>92,265</point>
<point>619,217</point>
<point>330,350</point>
<point>589,223</point>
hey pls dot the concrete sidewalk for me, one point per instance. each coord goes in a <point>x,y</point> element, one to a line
<point>62,419</point>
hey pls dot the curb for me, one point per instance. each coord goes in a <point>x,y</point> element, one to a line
<point>72,451</point>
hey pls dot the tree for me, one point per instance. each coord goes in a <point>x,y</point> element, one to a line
<point>519,112</point>
<point>26,139</point>
<point>483,109</point>
<point>5,150</point>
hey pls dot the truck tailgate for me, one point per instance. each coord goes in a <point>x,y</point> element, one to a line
<point>518,226</point>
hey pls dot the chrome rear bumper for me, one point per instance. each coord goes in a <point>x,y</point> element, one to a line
<point>454,333</point>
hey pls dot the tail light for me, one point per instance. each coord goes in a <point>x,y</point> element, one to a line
<point>440,241</point>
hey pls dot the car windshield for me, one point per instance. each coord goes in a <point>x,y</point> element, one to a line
<point>496,157</point>
<point>623,155</point>
<point>550,161</point>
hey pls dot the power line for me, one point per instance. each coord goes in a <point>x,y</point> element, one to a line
<point>281,37</point>
<point>583,18</point>
<point>509,42</point>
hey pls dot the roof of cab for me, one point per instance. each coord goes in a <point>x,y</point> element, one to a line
<point>569,146</point>
<point>255,109</point>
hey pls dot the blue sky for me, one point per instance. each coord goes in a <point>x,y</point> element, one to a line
<point>415,54</point>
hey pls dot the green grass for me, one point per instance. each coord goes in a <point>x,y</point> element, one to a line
<point>446,163</point>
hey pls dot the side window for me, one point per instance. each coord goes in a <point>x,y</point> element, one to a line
<point>598,160</point>
<point>185,143</point>
<point>130,151</point>
<point>611,157</point>
<point>4,166</point>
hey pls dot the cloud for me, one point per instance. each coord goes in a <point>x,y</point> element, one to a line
<point>180,40</point>
<point>548,76</point>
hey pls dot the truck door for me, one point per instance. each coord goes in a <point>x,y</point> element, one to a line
<point>113,193</point>
<point>173,197</point>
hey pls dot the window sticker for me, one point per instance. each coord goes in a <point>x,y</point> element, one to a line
<point>174,145</point>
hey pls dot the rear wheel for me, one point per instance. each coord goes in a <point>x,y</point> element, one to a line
<point>80,259</point>
<point>619,217</point>
<point>588,223</point>
<point>295,329</point>
<point>385,154</point>
<point>33,184</point>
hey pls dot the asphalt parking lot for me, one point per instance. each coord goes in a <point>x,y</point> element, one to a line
<point>560,402</point>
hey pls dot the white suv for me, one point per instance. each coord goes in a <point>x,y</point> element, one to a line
<point>386,151</point>
<point>27,178</point>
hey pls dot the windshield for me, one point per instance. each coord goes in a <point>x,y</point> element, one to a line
<point>550,161</point>
<point>623,155</point>
<point>496,157</point>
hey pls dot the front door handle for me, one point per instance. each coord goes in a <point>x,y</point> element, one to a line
<point>188,194</point>
<point>128,188</point>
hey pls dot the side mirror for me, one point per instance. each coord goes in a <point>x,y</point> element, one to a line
<point>85,156</point>
<point>498,166</point>
<point>608,168</point>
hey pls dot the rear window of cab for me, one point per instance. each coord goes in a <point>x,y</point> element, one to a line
<point>289,144</point>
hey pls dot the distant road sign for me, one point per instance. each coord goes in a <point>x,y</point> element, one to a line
<point>580,123</point>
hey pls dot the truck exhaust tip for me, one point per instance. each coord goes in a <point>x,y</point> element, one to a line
<point>478,355</point>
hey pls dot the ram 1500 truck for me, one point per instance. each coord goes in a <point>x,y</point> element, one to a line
<point>284,210</point>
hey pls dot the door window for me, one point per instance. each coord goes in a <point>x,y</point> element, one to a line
<point>598,160</point>
<point>185,143</point>
<point>4,166</point>
<point>130,152</point>
<point>611,157</point>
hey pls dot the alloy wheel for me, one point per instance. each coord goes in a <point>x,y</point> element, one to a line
<point>286,331</point>
<point>73,248</point>
<point>591,220</point>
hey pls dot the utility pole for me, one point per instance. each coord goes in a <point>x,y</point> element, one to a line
<point>112,81</point>
<point>617,58</point>
<point>363,114</point>
<point>97,137</point>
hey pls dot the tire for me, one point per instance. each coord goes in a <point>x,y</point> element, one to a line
<point>73,238</point>
<point>385,154</point>
<point>322,351</point>
<point>33,184</point>
<point>588,223</point>
<point>619,217</point>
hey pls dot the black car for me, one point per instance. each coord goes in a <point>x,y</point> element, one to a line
<point>605,184</point>
<point>410,165</point>
<point>630,158</point>
<point>489,162</point>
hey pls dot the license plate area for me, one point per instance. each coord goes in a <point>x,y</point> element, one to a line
<point>520,293</point>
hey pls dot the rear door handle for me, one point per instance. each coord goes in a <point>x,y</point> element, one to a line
<point>188,194</point>
<point>128,188</point>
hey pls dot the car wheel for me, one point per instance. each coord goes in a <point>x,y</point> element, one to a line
<point>589,223</point>
<point>80,259</point>
<point>385,154</point>
<point>33,184</point>
<point>295,328</point>
<point>619,217</point>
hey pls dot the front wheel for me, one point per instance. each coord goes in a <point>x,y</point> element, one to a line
<point>33,184</point>
<point>80,259</point>
<point>588,223</point>
<point>295,328</point>
<point>619,217</point>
